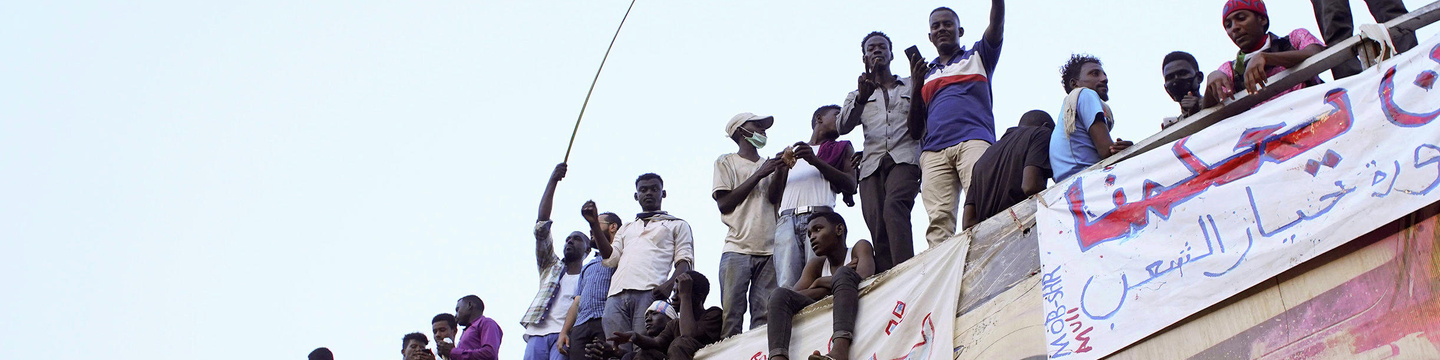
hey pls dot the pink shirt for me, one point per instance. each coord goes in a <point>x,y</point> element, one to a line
<point>1299,39</point>
<point>481,341</point>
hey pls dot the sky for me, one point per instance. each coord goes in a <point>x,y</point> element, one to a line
<point>240,180</point>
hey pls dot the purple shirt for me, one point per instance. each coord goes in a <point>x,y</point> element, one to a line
<point>957,98</point>
<point>481,341</point>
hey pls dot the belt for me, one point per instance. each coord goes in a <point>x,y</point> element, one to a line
<point>802,210</point>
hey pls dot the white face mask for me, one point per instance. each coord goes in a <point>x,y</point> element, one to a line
<point>755,138</point>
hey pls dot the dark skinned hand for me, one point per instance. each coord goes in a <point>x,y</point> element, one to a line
<point>865,85</point>
<point>769,166</point>
<point>918,69</point>
<point>684,281</point>
<point>621,337</point>
<point>1191,101</point>
<point>803,151</point>
<point>444,347</point>
<point>590,212</point>
<point>559,172</point>
<point>1120,144</point>
<point>1255,77</point>
<point>823,282</point>
<point>1221,86</point>
<point>601,350</point>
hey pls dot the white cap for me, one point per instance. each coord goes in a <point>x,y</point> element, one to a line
<point>744,117</point>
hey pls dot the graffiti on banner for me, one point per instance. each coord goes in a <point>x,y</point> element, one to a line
<point>907,313</point>
<point>1132,248</point>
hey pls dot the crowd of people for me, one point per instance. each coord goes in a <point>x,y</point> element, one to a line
<point>930,134</point>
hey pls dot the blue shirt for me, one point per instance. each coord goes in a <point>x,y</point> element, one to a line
<point>594,287</point>
<point>1069,156</point>
<point>957,98</point>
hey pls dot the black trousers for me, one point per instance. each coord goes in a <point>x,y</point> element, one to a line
<point>886,198</point>
<point>684,348</point>
<point>784,303</point>
<point>582,334</point>
<point>644,354</point>
<point>1336,25</point>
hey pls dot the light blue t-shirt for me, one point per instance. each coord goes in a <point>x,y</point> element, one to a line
<point>1069,156</point>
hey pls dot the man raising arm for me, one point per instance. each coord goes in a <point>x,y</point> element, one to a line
<point>559,279</point>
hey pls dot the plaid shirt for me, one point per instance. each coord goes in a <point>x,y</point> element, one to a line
<point>550,271</point>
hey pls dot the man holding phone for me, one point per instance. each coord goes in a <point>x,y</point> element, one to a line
<point>413,347</point>
<point>889,169</point>
<point>446,329</point>
<point>958,113</point>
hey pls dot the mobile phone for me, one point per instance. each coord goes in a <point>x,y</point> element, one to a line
<point>912,53</point>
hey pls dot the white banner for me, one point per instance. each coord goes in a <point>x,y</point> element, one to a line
<point>1129,250</point>
<point>907,313</point>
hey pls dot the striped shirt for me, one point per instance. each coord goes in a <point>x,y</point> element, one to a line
<point>550,272</point>
<point>958,100</point>
<point>594,288</point>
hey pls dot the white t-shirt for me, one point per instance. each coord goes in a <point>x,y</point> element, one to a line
<point>556,319</point>
<point>752,224</point>
<point>849,258</point>
<point>806,186</point>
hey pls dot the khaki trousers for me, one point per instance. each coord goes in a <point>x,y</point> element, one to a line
<point>943,174</point>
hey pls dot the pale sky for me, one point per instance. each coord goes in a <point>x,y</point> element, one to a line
<point>251,180</point>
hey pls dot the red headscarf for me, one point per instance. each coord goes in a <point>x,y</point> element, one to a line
<point>1258,6</point>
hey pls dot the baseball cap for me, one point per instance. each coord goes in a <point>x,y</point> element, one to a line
<point>744,117</point>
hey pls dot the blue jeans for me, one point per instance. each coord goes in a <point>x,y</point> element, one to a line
<point>739,273</point>
<point>626,312</point>
<point>792,248</point>
<point>542,347</point>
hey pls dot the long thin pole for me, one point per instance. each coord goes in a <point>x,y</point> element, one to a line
<point>597,79</point>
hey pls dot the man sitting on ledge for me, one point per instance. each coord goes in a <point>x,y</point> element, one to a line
<point>836,270</point>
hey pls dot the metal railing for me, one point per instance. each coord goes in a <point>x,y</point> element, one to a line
<point>1325,60</point>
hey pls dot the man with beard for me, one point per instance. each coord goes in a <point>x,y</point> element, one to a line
<point>583,324</point>
<point>558,280</point>
<point>1083,138</point>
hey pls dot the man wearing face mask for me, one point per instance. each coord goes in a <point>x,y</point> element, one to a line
<point>747,196</point>
<point>1182,82</point>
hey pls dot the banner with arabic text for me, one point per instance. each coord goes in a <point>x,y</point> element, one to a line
<point>1131,249</point>
<point>907,313</point>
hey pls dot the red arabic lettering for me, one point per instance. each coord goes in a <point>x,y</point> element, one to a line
<point>1393,112</point>
<point>1129,217</point>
